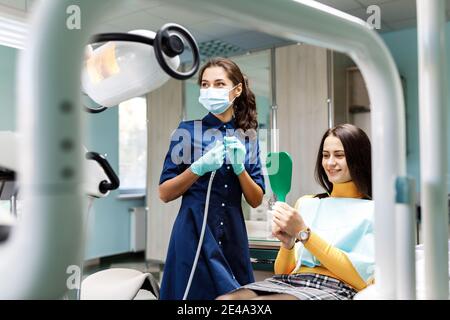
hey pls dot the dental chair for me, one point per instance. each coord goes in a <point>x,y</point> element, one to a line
<point>420,271</point>
<point>113,283</point>
<point>420,276</point>
<point>8,190</point>
<point>100,180</point>
<point>120,284</point>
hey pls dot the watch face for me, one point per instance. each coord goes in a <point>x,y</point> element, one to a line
<point>303,235</point>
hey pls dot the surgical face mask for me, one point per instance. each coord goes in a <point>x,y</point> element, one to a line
<point>216,100</point>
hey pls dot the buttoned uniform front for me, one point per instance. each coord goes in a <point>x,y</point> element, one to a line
<point>224,262</point>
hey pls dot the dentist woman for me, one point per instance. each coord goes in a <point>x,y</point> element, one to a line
<point>217,142</point>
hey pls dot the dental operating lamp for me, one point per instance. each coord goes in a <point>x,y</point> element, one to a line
<point>135,63</point>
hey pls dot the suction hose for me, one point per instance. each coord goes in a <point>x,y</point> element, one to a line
<point>202,235</point>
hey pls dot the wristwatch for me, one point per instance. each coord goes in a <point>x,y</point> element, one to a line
<point>303,235</point>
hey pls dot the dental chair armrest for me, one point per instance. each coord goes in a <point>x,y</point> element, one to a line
<point>105,186</point>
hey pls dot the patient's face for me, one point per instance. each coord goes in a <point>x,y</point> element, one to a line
<point>334,162</point>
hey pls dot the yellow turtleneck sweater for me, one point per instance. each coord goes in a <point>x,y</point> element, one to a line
<point>334,262</point>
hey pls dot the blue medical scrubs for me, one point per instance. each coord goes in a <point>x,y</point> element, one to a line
<point>224,262</point>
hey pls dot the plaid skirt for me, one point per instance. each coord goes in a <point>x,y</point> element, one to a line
<point>304,286</point>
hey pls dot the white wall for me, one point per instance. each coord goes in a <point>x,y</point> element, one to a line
<point>301,72</point>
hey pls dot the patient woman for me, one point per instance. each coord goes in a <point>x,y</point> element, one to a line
<point>327,249</point>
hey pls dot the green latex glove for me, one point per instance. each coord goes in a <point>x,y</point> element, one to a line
<point>236,153</point>
<point>210,161</point>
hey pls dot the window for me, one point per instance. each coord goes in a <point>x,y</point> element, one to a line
<point>133,145</point>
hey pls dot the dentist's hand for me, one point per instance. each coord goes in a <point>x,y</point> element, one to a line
<point>210,161</point>
<point>236,153</point>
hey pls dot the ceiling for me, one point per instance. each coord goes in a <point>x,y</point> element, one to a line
<point>395,14</point>
<point>152,14</point>
<point>219,37</point>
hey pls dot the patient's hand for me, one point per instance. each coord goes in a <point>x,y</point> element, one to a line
<point>287,219</point>
<point>286,240</point>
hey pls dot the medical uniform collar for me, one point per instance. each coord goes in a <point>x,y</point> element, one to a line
<point>212,121</point>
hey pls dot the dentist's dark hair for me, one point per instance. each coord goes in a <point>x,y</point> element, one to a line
<point>245,105</point>
<point>357,151</point>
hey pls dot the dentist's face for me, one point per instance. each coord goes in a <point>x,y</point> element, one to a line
<point>334,162</point>
<point>216,77</point>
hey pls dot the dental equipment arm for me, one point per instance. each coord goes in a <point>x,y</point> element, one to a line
<point>51,157</point>
<point>100,178</point>
<point>50,237</point>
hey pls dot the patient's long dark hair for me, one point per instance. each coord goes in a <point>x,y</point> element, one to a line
<point>357,151</point>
